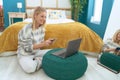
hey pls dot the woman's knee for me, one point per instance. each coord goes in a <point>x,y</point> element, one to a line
<point>28,69</point>
<point>29,66</point>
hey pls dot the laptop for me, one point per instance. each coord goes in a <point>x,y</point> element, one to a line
<point>72,48</point>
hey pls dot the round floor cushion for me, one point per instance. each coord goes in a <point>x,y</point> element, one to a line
<point>69,68</point>
<point>111,61</point>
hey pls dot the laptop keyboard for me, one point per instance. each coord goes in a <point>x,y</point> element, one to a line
<point>60,52</point>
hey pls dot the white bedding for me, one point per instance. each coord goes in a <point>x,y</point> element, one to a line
<point>52,21</point>
<point>10,70</point>
<point>53,17</point>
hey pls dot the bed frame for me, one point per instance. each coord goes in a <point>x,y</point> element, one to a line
<point>48,4</point>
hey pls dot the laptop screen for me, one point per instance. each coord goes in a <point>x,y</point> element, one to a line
<point>73,47</point>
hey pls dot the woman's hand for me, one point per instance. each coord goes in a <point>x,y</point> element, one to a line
<point>43,44</point>
<point>48,42</point>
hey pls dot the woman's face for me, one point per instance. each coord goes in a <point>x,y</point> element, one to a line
<point>118,36</point>
<point>40,18</point>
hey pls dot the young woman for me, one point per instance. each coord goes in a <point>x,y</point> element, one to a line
<point>113,45</point>
<point>30,42</point>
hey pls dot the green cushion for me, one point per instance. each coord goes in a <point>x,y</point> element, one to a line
<point>112,61</point>
<point>69,68</point>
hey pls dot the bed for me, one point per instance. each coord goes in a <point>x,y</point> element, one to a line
<point>59,25</point>
<point>63,32</point>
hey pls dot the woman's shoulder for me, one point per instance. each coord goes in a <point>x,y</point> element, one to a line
<point>111,42</point>
<point>26,29</point>
<point>28,26</point>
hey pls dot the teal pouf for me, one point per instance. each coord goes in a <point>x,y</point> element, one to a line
<point>69,68</point>
<point>111,61</point>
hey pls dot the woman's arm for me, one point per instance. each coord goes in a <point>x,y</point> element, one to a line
<point>25,38</point>
<point>109,49</point>
<point>42,44</point>
<point>108,46</point>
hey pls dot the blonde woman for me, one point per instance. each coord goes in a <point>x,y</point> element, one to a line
<point>113,45</point>
<point>30,42</point>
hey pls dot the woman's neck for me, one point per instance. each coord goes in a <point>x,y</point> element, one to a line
<point>37,26</point>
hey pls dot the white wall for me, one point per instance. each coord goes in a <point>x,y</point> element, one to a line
<point>60,4</point>
<point>49,3</point>
<point>114,20</point>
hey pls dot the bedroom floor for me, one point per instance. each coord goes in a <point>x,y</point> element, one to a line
<point>10,70</point>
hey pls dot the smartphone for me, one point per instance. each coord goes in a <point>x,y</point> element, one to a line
<point>118,48</point>
<point>53,39</point>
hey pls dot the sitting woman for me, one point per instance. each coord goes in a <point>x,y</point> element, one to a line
<point>113,45</point>
<point>109,57</point>
<point>30,42</point>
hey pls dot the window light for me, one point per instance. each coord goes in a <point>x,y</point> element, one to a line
<point>96,18</point>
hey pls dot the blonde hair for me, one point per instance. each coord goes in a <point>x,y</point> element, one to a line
<point>37,11</point>
<point>115,37</point>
